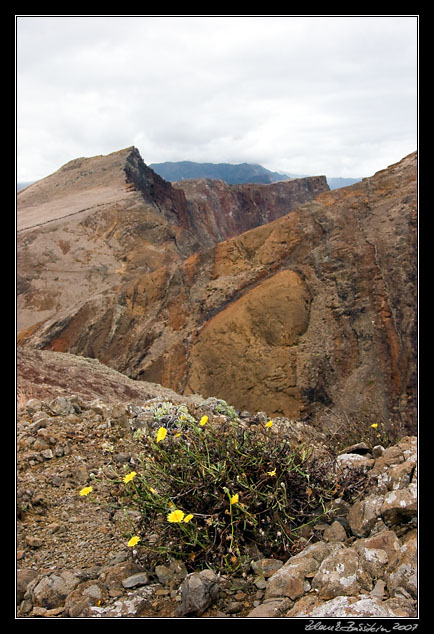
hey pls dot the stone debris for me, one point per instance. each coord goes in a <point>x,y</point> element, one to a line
<point>71,563</point>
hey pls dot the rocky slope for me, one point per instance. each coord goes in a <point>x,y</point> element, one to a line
<point>313,314</point>
<point>73,559</point>
<point>99,222</point>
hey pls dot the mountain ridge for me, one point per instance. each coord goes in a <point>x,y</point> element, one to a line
<point>230,173</point>
<point>301,316</point>
<point>98,222</point>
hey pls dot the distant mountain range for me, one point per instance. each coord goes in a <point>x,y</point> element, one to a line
<point>228,172</point>
<point>233,174</point>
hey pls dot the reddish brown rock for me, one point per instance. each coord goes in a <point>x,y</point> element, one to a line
<point>101,222</point>
<point>311,312</point>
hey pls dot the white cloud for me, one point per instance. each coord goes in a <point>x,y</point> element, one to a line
<point>332,95</point>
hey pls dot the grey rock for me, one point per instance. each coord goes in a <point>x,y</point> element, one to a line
<point>400,504</point>
<point>346,606</point>
<point>86,594</point>
<point>138,579</point>
<point>338,575</point>
<point>364,514</point>
<point>61,406</point>
<point>404,573</point>
<point>199,590</point>
<point>175,572</point>
<point>271,609</point>
<point>52,590</point>
<point>355,461</point>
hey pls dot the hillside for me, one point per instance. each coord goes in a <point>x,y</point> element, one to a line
<point>303,316</point>
<point>83,442</point>
<point>100,222</point>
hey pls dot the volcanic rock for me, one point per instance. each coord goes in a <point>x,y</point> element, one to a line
<point>83,567</point>
<point>98,223</point>
<point>311,313</point>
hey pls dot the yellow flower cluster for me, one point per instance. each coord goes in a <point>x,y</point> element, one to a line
<point>130,476</point>
<point>161,434</point>
<point>177,516</point>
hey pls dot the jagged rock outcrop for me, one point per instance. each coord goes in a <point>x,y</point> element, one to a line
<point>217,211</point>
<point>98,223</point>
<point>313,312</point>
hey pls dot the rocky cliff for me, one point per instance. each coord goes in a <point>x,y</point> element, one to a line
<point>217,211</point>
<point>310,315</point>
<point>100,222</point>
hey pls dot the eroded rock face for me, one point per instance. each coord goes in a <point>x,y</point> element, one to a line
<point>100,222</point>
<point>251,344</point>
<point>313,311</point>
<point>217,211</point>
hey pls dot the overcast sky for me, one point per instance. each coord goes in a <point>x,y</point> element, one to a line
<point>333,95</point>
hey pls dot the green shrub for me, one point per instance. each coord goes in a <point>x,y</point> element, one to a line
<point>210,491</point>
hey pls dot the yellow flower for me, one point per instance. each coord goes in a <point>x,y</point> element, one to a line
<point>86,490</point>
<point>161,434</point>
<point>133,541</point>
<point>203,421</point>
<point>269,424</point>
<point>175,516</point>
<point>235,498</point>
<point>374,425</point>
<point>271,473</point>
<point>130,476</point>
<point>188,517</point>
<point>152,490</point>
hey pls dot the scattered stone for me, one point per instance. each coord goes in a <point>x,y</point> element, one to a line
<point>86,594</point>
<point>345,606</point>
<point>23,578</point>
<point>174,573</point>
<point>266,567</point>
<point>138,579</point>
<point>74,561</point>
<point>339,574</point>
<point>52,589</point>
<point>364,514</point>
<point>271,609</point>
<point>199,590</point>
<point>335,533</point>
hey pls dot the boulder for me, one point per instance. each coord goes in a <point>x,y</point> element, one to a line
<point>52,589</point>
<point>365,514</point>
<point>341,574</point>
<point>198,591</point>
<point>345,606</point>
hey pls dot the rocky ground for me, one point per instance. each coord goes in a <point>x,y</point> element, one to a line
<point>72,555</point>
